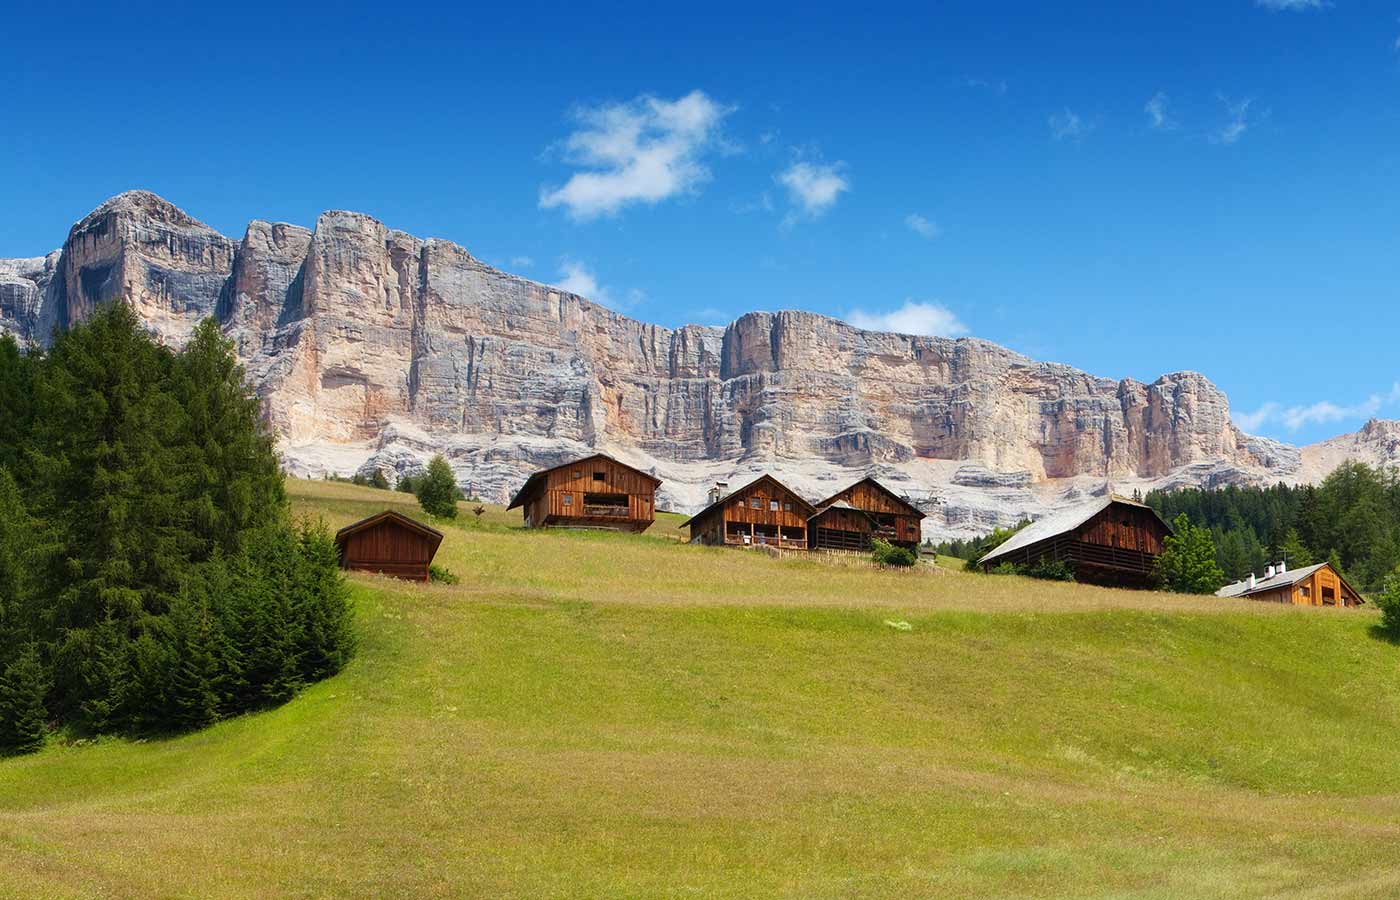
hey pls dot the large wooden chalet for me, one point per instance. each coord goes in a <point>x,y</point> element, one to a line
<point>1319,585</point>
<point>1109,541</point>
<point>764,512</point>
<point>894,519</point>
<point>594,492</point>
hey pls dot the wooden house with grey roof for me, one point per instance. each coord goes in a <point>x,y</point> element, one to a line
<point>1319,585</point>
<point>1110,540</point>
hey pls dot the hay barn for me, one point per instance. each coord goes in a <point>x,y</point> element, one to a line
<point>388,543</point>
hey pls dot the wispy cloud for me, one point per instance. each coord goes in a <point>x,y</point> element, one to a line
<point>1158,115</point>
<point>982,84</point>
<point>576,278</point>
<point>1238,120</point>
<point>1067,125</point>
<point>813,188</point>
<point>1291,5</point>
<point>912,318</point>
<point>1322,412</point>
<point>643,151</point>
<point>710,315</point>
<point>922,226</point>
<point>521,262</point>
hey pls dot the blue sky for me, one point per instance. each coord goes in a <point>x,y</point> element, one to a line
<point>1129,187</point>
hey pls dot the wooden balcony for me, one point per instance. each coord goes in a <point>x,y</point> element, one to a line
<point>599,511</point>
<point>764,540</point>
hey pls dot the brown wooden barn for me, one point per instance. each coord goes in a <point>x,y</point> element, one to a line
<point>1109,541</point>
<point>389,543</point>
<point>1319,585</point>
<point>896,519</point>
<point>764,512</point>
<point>840,526</point>
<point>594,492</point>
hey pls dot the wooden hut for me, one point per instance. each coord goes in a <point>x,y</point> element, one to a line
<point>895,519</point>
<point>764,512</point>
<point>389,543</point>
<point>1109,541</point>
<point>594,492</point>
<point>1319,585</point>
<point>840,526</point>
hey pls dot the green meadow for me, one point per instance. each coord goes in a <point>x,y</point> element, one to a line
<point>599,715</point>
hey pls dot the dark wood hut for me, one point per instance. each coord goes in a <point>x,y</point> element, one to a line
<point>389,543</point>
<point>764,512</point>
<point>1111,540</point>
<point>594,492</point>
<point>895,519</point>
<point>840,526</point>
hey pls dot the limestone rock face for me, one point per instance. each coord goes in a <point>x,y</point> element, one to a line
<point>374,349</point>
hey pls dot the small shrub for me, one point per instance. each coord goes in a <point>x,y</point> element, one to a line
<point>1049,570</point>
<point>1388,602</point>
<point>886,554</point>
<point>442,574</point>
<point>1005,568</point>
<point>378,480</point>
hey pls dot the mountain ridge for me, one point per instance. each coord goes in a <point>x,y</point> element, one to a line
<point>374,348</point>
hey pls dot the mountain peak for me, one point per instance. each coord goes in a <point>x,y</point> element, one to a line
<point>142,203</point>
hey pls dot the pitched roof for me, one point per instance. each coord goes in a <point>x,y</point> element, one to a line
<point>727,497</point>
<point>1063,521</point>
<point>520,495</point>
<point>386,516</point>
<point>898,499</point>
<point>839,504</point>
<point>1286,579</point>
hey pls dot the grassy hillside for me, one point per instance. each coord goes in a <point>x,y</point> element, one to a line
<point>608,715</point>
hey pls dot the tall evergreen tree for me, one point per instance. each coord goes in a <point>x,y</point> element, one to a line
<point>235,481</point>
<point>23,716</point>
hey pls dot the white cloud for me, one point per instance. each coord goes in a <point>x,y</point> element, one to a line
<point>1067,125</point>
<point>922,226</point>
<point>576,278</point>
<point>644,151</point>
<point>996,87</point>
<point>1291,5</point>
<point>911,318</point>
<point>1156,110</point>
<point>1237,123</point>
<point>1322,412</point>
<point>813,187</point>
<point>522,262</point>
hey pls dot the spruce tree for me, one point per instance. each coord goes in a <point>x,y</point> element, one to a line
<point>235,481</point>
<point>24,684</point>
<point>437,489</point>
<point>1293,552</point>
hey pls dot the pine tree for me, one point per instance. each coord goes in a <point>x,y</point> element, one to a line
<point>437,490</point>
<point>1293,552</point>
<point>235,481</point>
<point>1388,602</point>
<point>1188,561</point>
<point>24,684</point>
<point>379,480</point>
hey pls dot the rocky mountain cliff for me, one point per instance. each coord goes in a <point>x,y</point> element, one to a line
<point>374,348</point>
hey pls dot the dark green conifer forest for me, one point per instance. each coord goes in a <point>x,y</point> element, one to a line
<point>150,576</point>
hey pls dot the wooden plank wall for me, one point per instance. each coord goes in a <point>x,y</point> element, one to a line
<point>739,507</point>
<point>576,481</point>
<point>389,548</point>
<point>1127,527</point>
<point>866,496</point>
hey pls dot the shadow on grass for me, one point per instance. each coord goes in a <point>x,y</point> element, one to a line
<point>1385,635</point>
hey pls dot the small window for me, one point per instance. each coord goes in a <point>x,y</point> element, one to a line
<point>598,476</point>
<point>773,505</point>
<point>787,507</point>
<point>756,502</point>
<point>577,473</point>
<point>568,499</point>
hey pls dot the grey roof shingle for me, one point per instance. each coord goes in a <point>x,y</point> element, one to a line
<point>1287,579</point>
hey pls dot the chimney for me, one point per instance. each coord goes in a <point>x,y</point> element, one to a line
<point>1252,581</point>
<point>1269,572</point>
<point>719,491</point>
<point>1283,567</point>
